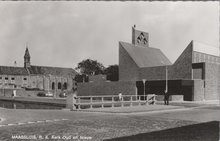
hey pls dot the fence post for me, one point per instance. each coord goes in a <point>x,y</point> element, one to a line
<point>131,101</point>
<point>139,100</point>
<point>154,99</point>
<point>147,101</point>
<point>91,102</point>
<point>78,103</point>
<point>122,101</point>
<point>112,101</point>
<point>102,102</point>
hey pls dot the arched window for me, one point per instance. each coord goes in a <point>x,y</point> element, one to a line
<point>59,85</point>
<point>64,85</point>
<point>53,85</point>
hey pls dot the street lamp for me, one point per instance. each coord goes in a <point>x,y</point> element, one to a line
<point>144,80</point>
<point>166,90</point>
<point>166,80</point>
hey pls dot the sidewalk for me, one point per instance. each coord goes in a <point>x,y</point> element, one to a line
<point>133,109</point>
<point>159,107</point>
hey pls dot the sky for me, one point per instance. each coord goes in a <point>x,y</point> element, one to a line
<point>62,34</point>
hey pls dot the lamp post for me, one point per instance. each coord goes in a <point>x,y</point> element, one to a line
<point>166,80</point>
<point>166,90</point>
<point>144,80</point>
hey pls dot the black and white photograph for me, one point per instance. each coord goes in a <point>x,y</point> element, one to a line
<point>109,71</point>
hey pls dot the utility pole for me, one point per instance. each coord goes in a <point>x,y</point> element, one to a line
<point>166,80</point>
<point>144,80</point>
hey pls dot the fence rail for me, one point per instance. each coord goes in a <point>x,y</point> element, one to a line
<point>84,102</point>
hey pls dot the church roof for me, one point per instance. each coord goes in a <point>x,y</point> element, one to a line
<point>44,70</point>
<point>37,70</point>
<point>145,56</point>
<point>8,70</point>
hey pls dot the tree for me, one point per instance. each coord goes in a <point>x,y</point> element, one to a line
<point>81,78</point>
<point>90,67</point>
<point>112,73</point>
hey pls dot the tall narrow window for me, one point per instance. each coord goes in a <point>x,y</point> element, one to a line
<point>64,85</point>
<point>59,85</point>
<point>53,85</point>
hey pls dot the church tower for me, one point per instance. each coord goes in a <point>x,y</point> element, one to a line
<point>139,37</point>
<point>27,58</point>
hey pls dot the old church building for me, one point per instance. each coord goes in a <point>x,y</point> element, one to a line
<point>36,77</point>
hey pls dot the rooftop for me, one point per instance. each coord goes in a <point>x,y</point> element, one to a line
<point>146,56</point>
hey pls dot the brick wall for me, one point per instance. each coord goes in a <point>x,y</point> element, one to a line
<point>107,88</point>
<point>202,57</point>
<point>128,70</point>
<point>198,94</point>
<point>153,73</point>
<point>19,92</point>
<point>182,68</point>
<point>212,81</point>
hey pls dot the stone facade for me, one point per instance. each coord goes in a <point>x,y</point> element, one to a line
<point>107,88</point>
<point>128,69</point>
<point>182,68</point>
<point>153,73</point>
<point>212,78</point>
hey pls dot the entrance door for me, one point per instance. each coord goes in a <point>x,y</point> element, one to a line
<point>188,93</point>
<point>140,89</point>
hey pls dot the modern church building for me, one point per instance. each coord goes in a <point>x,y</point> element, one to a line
<point>194,76</point>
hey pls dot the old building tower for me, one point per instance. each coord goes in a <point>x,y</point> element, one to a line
<point>27,59</point>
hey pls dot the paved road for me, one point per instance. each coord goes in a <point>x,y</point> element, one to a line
<point>98,125</point>
<point>201,114</point>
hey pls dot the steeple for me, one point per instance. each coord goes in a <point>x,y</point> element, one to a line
<point>27,58</point>
<point>139,37</point>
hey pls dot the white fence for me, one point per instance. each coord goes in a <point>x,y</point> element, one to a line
<point>84,102</point>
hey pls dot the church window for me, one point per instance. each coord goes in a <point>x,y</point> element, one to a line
<point>0,78</point>
<point>25,78</point>
<point>64,85</point>
<point>12,78</point>
<point>6,78</point>
<point>53,85</point>
<point>59,85</point>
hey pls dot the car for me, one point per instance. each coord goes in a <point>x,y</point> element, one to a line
<point>49,94</point>
<point>63,94</point>
<point>41,94</point>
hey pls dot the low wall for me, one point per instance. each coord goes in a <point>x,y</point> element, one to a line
<point>19,92</point>
<point>51,101</point>
<point>107,88</point>
<point>171,98</point>
<point>212,90</point>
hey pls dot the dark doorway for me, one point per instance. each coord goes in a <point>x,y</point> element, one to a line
<point>140,89</point>
<point>53,85</point>
<point>64,85</point>
<point>59,85</point>
<point>188,93</point>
